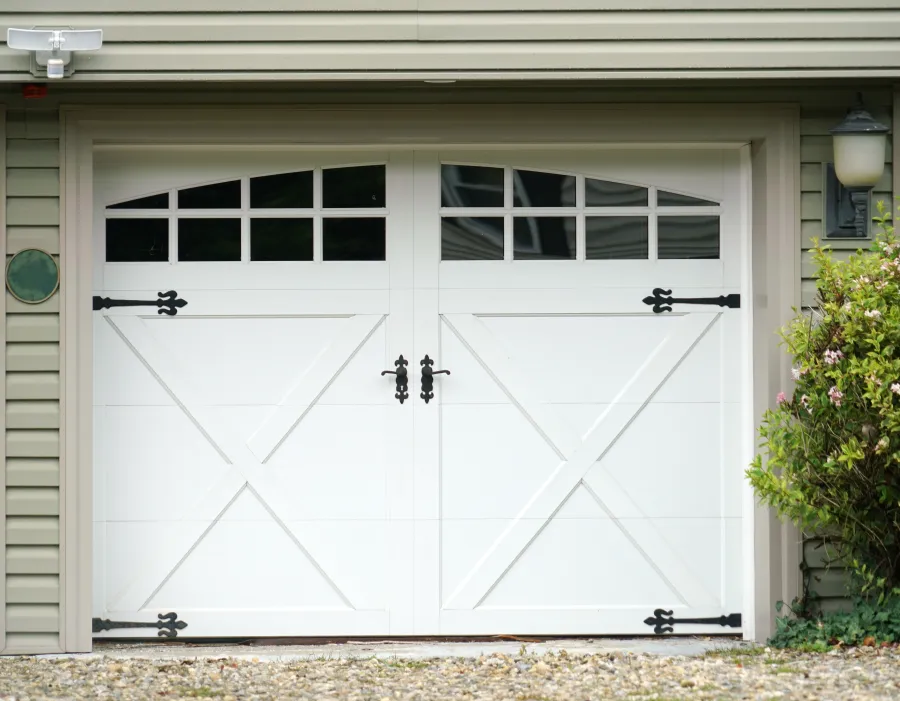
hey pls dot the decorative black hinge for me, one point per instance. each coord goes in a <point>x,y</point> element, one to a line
<point>663,621</point>
<point>168,303</point>
<point>662,301</point>
<point>168,624</point>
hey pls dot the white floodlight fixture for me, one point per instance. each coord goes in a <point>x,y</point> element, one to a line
<point>51,49</point>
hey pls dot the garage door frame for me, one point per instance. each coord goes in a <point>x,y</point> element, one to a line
<point>771,133</point>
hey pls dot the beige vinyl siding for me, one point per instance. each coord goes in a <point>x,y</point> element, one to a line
<point>220,38</point>
<point>32,391</point>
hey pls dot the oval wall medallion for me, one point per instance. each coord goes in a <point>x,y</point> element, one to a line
<point>32,276</point>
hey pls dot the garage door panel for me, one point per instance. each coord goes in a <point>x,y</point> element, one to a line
<point>669,459</point>
<point>120,376</point>
<point>463,542</point>
<point>253,557</point>
<point>320,475</point>
<point>359,381</point>
<point>368,557</point>
<point>589,274</point>
<point>578,359</point>
<point>700,377</point>
<point>233,361</point>
<point>201,277</point>
<point>134,458</point>
<point>472,383</point>
<point>494,460</point>
<point>252,303</point>
<point>580,563</point>
<point>561,300</point>
<point>129,545</point>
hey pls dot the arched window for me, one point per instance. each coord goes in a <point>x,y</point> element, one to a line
<point>542,215</point>
<point>264,218</point>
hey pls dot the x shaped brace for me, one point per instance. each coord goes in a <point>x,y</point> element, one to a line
<point>245,460</point>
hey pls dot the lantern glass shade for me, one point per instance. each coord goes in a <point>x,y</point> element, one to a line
<point>859,158</point>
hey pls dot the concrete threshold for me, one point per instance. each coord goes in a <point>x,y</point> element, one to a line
<point>405,649</point>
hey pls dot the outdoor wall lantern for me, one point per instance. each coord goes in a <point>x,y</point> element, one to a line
<point>859,154</point>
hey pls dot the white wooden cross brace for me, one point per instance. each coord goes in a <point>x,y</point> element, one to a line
<point>244,460</point>
<point>577,457</point>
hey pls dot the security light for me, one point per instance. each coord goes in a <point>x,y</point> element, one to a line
<point>52,48</point>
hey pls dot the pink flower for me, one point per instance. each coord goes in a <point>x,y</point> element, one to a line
<point>832,356</point>
<point>895,388</point>
<point>781,399</point>
<point>797,373</point>
<point>836,396</point>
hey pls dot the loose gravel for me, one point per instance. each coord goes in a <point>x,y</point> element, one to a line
<point>748,673</point>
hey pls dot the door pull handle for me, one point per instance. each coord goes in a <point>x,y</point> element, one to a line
<point>428,374</point>
<point>402,378</point>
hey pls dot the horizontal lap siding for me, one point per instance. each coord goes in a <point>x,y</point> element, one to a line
<point>32,392</point>
<point>170,37</point>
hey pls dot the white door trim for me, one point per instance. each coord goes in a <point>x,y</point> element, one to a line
<point>771,133</point>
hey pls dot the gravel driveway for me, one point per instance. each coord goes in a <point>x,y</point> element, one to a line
<point>734,674</point>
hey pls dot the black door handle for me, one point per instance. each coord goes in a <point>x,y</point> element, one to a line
<point>428,378</point>
<point>402,378</point>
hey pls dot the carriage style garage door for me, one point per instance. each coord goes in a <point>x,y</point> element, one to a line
<point>559,453</point>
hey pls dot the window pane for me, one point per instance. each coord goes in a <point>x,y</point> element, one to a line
<point>471,186</point>
<point>218,196</point>
<point>281,239</point>
<point>160,201</point>
<point>604,193</point>
<point>282,191</point>
<point>356,187</point>
<point>209,239</point>
<point>673,199</point>
<point>468,238</point>
<point>534,189</point>
<point>616,238</point>
<point>544,238</point>
<point>688,237</point>
<point>137,240</point>
<point>353,239</point>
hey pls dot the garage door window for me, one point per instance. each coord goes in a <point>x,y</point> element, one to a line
<point>513,214</point>
<point>331,214</point>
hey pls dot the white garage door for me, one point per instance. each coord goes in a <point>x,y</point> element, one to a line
<point>578,469</point>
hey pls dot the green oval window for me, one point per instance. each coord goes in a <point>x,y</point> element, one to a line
<point>32,276</point>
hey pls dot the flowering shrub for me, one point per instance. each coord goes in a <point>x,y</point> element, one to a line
<point>831,460</point>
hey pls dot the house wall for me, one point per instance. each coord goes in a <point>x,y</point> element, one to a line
<point>32,471</point>
<point>164,39</point>
<point>32,392</point>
